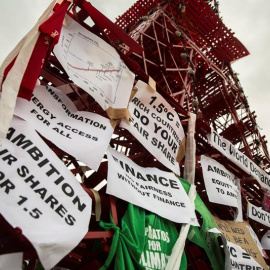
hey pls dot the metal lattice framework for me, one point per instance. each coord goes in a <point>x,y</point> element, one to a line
<point>188,51</point>
<point>189,55</point>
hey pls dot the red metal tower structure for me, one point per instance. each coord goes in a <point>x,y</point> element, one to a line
<point>188,51</point>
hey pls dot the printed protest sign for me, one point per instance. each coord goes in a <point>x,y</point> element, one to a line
<point>237,234</point>
<point>236,258</point>
<point>266,241</point>
<point>150,188</point>
<point>40,195</point>
<point>94,65</point>
<point>221,185</point>
<point>241,160</point>
<point>156,125</point>
<point>258,214</point>
<point>55,117</point>
<point>12,261</point>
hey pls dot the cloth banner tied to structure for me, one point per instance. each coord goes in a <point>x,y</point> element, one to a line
<point>94,65</point>
<point>40,195</point>
<point>150,188</point>
<point>55,117</point>
<point>156,125</point>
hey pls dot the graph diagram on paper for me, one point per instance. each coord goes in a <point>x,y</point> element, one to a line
<point>94,66</point>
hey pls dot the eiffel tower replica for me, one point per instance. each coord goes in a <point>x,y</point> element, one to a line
<point>188,52</point>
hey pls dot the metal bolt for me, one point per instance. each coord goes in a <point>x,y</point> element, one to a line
<point>195,102</point>
<point>145,18</point>
<point>191,71</point>
<point>178,33</point>
<point>184,55</point>
<point>241,90</point>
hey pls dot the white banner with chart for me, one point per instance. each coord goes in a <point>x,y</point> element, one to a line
<point>94,65</point>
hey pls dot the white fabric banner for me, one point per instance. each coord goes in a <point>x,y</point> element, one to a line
<point>55,117</point>
<point>11,85</point>
<point>156,125</point>
<point>258,214</point>
<point>175,259</point>
<point>239,215</point>
<point>241,160</point>
<point>150,188</point>
<point>12,261</point>
<point>221,185</point>
<point>256,240</point>
<point>40,195</point>
<point>237,258</point>
<point>94,65</point>
<point>266,241</point>
<point>190,157</point>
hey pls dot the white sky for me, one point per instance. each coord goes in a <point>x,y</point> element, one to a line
<point>249,19</point>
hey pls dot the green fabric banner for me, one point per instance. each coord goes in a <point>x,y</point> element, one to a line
<point>145,241</point>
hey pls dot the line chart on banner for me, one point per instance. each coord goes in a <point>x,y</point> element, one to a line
<point>93,72</point>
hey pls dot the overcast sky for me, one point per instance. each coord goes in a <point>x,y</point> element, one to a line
<point>249,20</point>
